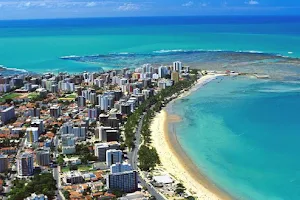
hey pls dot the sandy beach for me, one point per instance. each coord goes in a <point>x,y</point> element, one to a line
<point>175,161</point>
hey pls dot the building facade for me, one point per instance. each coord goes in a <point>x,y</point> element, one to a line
<point>25,164</point>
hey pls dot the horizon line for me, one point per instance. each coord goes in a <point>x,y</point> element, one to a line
<point>154,16</point>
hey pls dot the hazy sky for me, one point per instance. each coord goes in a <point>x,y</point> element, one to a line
<point>20,9</point>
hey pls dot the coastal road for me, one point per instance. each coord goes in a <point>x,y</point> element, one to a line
<point>56,172</point>
<point>134,153</point>
<point>133,157</point>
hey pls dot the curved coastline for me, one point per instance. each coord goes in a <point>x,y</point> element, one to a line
<point>174,159</point>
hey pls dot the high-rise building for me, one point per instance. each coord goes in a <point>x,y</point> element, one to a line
<point>54,88</point>
<point>99,82</point>
<point>123,81</point>
<point>125,108</point>
<point>136,91</point>
<point>162,84</point>
<point>113,156</point>
<point>68,149</point>
<point>43,157</point>
<point>100,134</point>
<point>34,112</point>
<point>32,134</point>
<point>92,98</point>
<point>55,111</point>
<point>68,140</point>
<point>39,124</point>
<point>3,163</point>
<point>175,76</point>
<point>162,71</point>
<point>81,101</point>
<point>93,113</point>
<point>8,114</point>
<point>100,151</point>
<point>25,164</point>
<point>120,167</point>
<point>66,86</point>
<point>177,66</point>
<point>17,82</point>
<point>103,102</point>
<point>79,132</point>
<point>28,87</point>
<point>125,181</point>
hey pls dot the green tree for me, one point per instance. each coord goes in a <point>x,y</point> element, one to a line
<point>148,158</point>
<point>60,160</point>
<point>180,189</point>
<point>66,194</point>
<point>40,184</point>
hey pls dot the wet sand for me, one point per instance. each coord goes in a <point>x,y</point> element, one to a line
<point>175,161</point>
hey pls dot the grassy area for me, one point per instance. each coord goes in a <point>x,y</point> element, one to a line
<point>84,167</point>
<point>73,96</point>
<point>9,96</point>
<point>33,95</point>
<point>66,99</point>
<point>65,169</point>
<point>80,168</point>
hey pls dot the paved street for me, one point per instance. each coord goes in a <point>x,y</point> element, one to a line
<point>56,172</point>
<point>133,158</point>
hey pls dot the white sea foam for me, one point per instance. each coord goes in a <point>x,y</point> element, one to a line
<point>71,56</point>
<point>122,53</point>
<point>14,69</point>
<point>280,90</point>
<point>203,50</point>
<point>170,51</point>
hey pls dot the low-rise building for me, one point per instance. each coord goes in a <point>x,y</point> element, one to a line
<point>73,177</point>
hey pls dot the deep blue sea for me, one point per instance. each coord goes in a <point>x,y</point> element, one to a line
<point>244,133</point>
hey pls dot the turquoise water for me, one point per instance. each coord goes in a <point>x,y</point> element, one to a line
<point>244,135</point>
<point>37,45</point>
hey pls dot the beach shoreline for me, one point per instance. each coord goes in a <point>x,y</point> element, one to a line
<point>174,159</point>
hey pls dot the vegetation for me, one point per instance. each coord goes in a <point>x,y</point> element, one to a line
<point>180,189</point>
<point>73,96</point>
<point>148,157</point>
<point>36,98</point>
<point>76,167</point>
<point>33,95</point>
<point>9,97</point>
<point>66,194</point>
<point>40,184</point>
<point>60,159</point>
<point>84,153</point>
<point>73,167</point>
<point>190,198</point>
<point>118,193</point>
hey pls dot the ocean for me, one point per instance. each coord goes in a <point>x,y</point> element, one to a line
<point>38,45</point>
<point>243,133</point>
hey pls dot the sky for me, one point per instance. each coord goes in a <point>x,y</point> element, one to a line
<point>38,9</point>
